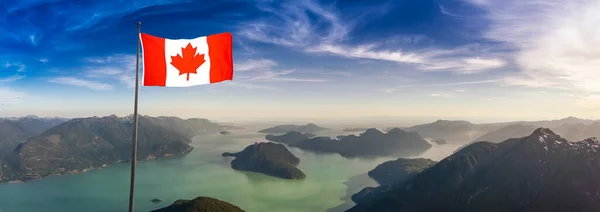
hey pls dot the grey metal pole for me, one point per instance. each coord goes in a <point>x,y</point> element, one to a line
<point>135,123</point>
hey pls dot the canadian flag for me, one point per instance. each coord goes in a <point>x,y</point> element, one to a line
<point>186,62</point>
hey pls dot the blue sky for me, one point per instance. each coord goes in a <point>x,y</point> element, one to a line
<point>308,58</point>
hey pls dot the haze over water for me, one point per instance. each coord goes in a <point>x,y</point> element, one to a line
<point>203,172</point>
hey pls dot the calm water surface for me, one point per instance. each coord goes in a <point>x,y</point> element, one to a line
<point>203,172</point>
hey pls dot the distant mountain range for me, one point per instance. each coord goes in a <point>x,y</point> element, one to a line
<point>538,172</point>
<point>371,143</point>
<point>466,132</point>
<point>281,129</point>
<point>17,130</point>
<point>85,143</point>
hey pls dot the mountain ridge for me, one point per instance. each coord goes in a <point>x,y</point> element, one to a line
<point>86,143</point>
<point>532,173</point>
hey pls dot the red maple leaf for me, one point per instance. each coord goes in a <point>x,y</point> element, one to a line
<point>188,62</point>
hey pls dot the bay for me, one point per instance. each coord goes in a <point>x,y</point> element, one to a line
<point>203,172</point>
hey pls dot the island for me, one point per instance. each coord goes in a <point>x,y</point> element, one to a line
<point>225,132</point>
<point>281,129</point>
<point>267,158</point>
<point>371,143</point>
<point>292,137</point>
<point>355,129</point>
<point>439,141</point>
<point>200,204</point>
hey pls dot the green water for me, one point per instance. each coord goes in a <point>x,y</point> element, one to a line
<point>203,172</point>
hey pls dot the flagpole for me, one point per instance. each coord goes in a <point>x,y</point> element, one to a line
<point>135,122</point>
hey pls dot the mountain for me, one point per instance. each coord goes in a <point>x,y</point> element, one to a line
<point>451,131</point>
<point>572,131</point>
<point>579,131</point>
<point>510,131</point>
<point>280,129</point>
<point>371,143</point>
<point>267,158</point>
<point>85,143</point>
<point>392,172</point>
<point>539,172</point>
<point>552,124</point>
<point>200,204</point>
<point>17,130</point>
<point>465,132</point>
<point>397,170</point>
<point>292,137</point>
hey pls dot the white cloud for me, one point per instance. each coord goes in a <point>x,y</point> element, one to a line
<point>464,66</point>
<point>11,78</point>
<point>32,39</point>
<point>248,85</point>
<point>104,71</point>
<point>280,76</point>
<point>292,26</point>
<point>367,52</point>
<point>20,66</point>
<point>44,60</point>
<point>442,95</point>
<point>81,83</point>
<point>295,29</point>
<point>252,71</point>
<point>120,68</point>
<point>255,64</point>
<point>9,96</point>
<point>390,90</point>
<point>558,41</point>
<point>341,73</point>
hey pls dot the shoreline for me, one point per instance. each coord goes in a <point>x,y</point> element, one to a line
<point>149,158</point>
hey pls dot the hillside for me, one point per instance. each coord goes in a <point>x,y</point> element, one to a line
<point>371,143</point>
<point>14,131</point>
<point>539,172</point>
<point>85,143</point>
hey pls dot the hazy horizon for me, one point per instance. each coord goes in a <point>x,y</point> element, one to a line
<point>383,121</point>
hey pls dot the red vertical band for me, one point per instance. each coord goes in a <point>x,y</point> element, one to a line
<point>221,58</point>
<point>154,66</point>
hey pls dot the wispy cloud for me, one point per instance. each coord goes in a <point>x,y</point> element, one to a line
<point>248,85</point>
<point>390,90</point>
<point>44,60</point>
<point>442,95</point>
<point>11,78</point>
<point>291,25</point>
<point>281,76</point>
<point>367,52</point>
<point>294,28</point>
<point>340,73</point>
<point>120,68</point>
<point>81,83</point>
<point>557,41</point>
<point>255,64</point>
<point>18,65</point>
<point>465,65</point>
<point>9,96</point>
<point>262,70</point>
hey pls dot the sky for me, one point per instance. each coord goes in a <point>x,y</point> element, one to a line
<point>501,59</point>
